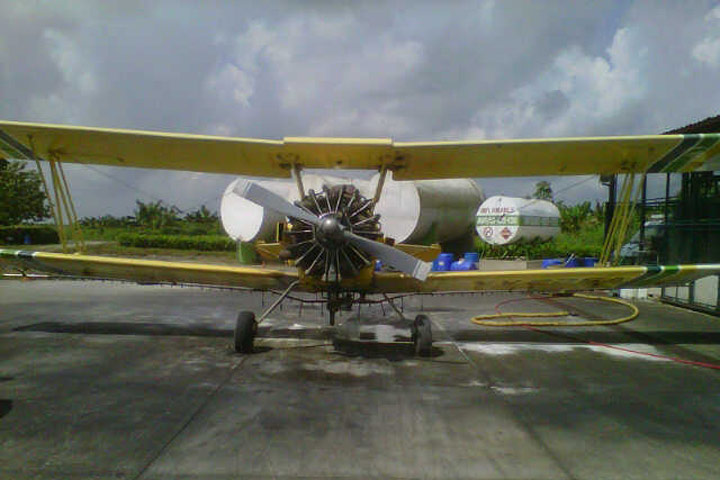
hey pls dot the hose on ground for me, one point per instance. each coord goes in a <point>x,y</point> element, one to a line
<point>488,320</point>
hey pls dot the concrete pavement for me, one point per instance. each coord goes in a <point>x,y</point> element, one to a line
<point>113,380</point>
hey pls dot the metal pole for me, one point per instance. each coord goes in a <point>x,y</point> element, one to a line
<point>380,184</point>
<point>642,212</point>
<point>666,220</point>
<point>298,180</point>
<point>612,193</point>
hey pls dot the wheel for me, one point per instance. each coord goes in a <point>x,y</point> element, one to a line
<point>422,335</point>
<point>245,330</point>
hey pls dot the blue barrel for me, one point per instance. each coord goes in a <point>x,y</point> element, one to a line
<point>552,262</point>
<point>572,263</point>
<point>463,265</point>
<point>472,257</point>
<point>470,261</point>
<point>442,262</point>
<point>589,261</point>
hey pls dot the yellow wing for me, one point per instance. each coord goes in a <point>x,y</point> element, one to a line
<point>559,156</point>
<point>551,280</point>
<point>408,160</point>
<point>557,280</point>
<point>146,270</point>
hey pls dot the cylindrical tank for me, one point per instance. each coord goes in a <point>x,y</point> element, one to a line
<point>503,220</point>
<point>427,211</point>
<point>246,221</point>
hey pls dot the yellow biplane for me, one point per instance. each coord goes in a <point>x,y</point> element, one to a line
<point>333,237</point>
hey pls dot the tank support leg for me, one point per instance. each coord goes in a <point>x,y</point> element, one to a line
<point>380,184</point>
<point>298,180</point>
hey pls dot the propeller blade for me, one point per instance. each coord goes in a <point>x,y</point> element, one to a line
<point>391,256</point>
<point>272,201</point>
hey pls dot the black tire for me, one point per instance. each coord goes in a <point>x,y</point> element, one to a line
<point>245,330</point>
<point>422,336</point>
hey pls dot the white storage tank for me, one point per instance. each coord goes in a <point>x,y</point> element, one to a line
<point>425,211</point>
<point>245,221</point>
<point>504,220</point>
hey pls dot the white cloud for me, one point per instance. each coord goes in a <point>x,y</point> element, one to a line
<point>415,72</point>
<point>320,67</point>
<point>73,67</point>
<point>232,82</point>
<point>78,80</point>
<point>576,91</point>
<point>707,51</point>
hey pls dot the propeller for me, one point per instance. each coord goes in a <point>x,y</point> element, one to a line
<point>331,229</point>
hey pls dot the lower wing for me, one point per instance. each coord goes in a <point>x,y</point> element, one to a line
<point>548,280</point>
<point>146,271</point>
<point>551,280</point>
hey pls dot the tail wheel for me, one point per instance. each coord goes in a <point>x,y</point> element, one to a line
<point>245,331</point>
<point>422,336</point>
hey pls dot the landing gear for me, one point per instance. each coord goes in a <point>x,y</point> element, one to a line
<point>422,336</point>
<point>245,330</point>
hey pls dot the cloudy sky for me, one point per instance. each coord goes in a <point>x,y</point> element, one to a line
<point>407,70</point>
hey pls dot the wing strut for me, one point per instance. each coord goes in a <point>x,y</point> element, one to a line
<point>298,179</point>
<point>62,208</point>
<point>617,231</point>
<point>380,184</point>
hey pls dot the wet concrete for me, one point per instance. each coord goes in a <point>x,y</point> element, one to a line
<point>111,380</point>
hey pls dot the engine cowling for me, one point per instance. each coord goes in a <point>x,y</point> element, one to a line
<point>320,250</point>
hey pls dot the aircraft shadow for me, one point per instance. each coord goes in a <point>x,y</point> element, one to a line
<point>488,335</point>
<point>164,329</point>
<point>393,352</point>
<point>5,406</point>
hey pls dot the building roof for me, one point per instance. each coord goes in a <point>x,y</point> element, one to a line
<point>709,125</point>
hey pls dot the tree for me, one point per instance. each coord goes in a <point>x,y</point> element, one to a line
<point>156,214</point>
<point>543,191</point>
<point>202,215</point>
<point>22,198</point>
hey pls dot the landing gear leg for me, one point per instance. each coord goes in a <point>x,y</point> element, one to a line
<point>246,326</point>
<point>422,336</point>
<point>336,301</point>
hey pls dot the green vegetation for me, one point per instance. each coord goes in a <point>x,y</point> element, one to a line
<point>22,198</point>
<point>585,243</point>
<point>157,225</point>
<point>202,243</point>
<point>155,218</point>
<point>36,234</point>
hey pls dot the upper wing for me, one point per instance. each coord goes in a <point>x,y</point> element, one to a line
<point>409,161</point>
<point>146,270</point>
<point>548,280</point>
<point>560,156</point>
<point>132,148</point>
